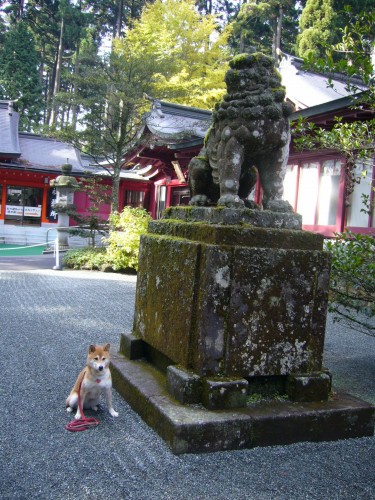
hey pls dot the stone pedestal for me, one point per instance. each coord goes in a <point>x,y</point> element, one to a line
<point>233,293</point>
<point>231,303</point>
<point>65,185</point>
<point>63,235</point>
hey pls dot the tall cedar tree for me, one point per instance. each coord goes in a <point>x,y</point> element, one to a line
<point>224,10</point>
<point>19,74</point>
<point>111,17</point>
<point>322,22</point>
<point>269,26</point>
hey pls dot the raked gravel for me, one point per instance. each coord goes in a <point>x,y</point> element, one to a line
<point>47,320</point>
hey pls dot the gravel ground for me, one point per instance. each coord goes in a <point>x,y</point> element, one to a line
<point>48,318</point>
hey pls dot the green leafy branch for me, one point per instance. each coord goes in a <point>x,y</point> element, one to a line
<point>352,286</point>
<point>354,141</point>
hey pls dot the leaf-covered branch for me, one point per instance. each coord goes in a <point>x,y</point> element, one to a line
<point>352,291</point>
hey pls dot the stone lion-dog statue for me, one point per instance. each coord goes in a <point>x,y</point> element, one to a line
<point>250,133</point>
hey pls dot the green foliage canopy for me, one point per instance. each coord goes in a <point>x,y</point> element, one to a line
<point>322,23</point>
<point>316,23</point>
<point>268,26</point>
<point>352,298</point>
<point>186,51</point>
<point>19,74</point>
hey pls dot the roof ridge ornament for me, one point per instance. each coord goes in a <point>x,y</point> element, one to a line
<point>156,104</point>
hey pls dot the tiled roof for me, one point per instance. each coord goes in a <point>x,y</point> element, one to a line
<point>107,172</point>
<point>32,150</point>
<point>42,153</point>
<point>306,89</point>
<point>9,145</point>
<point>176,122</point>
<point>173,124</point>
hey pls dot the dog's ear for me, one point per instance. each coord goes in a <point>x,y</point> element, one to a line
<point>106,347</point>
<point>92,348</point>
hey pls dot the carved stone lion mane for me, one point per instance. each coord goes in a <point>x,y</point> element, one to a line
<point>249,134</point>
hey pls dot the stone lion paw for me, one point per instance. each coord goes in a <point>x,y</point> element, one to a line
<point>199,200</point>
<point>231,201</point>
<point>278,206</point>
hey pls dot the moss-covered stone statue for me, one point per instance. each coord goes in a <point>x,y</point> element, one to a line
<point>250,131</point>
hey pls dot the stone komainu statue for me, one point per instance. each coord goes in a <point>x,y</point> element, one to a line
<point>250,131</point>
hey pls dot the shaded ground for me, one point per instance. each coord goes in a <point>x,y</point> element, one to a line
<point>26,263</point>
<point>47,320</point>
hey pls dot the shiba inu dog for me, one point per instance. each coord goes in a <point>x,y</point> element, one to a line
<point>96,380</point>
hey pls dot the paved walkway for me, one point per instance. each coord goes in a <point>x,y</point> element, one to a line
<point>47,320</point>
<point>21,263</point>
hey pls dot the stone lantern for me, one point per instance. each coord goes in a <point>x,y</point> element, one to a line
<point>65,185</point>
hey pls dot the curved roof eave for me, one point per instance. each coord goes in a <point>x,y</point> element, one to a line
<point>175,123</point>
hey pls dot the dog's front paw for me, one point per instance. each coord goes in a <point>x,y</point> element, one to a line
<point>69,410</point>
<point>113,412</point>
<point>77,416</point>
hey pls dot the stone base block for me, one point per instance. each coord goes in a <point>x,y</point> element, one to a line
<point>131,346</point>
<point>194,429</point>
<point>183,385</point>
<point>310,387</point>
<point>267,386</point>
<point>220,394</point>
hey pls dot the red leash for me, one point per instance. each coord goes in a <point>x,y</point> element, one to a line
<point>82,423</point>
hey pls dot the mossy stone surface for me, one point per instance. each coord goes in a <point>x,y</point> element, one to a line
<point>240,235</point>
<point>223,393</point>
<point>309,387</point>
<point>164,305</point>
<point>232,299</point>
<point>277,311</point>
<point>194,429</point>
<point>235,216</point>
<point>184,385</point>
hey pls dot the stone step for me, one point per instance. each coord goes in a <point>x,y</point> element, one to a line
<point>195,429</point>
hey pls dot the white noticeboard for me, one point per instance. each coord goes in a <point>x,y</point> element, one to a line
<point>32,211</point>
<point>13,210</point>
<point>26,211</point>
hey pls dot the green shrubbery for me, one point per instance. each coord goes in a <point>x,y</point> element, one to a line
<point>123,242</point>
<point>85,258</point>
<point>352,288</point>
<point>121,252</point>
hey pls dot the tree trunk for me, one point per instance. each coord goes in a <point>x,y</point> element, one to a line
<point>115,196</point>
<point>116,186</point>
<point>277,35</point>
<point>74,90</point>
<point>49,92</point>
<point>56,87</point>
<point>119,18</point>
<point>44,80</point>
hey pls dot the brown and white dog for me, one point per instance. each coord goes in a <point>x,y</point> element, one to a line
<point>96,380</point>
